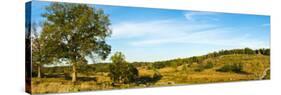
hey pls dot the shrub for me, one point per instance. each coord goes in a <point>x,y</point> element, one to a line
<point>232,67</point>
<point>121,71</point>
<point>202,66</point>
<point>209,65</point>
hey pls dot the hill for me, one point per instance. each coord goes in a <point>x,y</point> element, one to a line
<point>234,67</point>
<point>222,66</point>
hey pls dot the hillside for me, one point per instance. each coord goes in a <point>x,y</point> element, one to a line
<point>252,68</point>
<point>223,66</point>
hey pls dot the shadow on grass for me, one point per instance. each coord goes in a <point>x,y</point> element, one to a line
<point>68,77</point>
<point>55,75</point>
<point>238,72</point>
<point>148,80</point>
<point>84,79</point>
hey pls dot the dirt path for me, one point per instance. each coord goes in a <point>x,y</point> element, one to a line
<point>264,73</point>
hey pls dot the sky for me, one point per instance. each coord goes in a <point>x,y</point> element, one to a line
<point>149,34</point>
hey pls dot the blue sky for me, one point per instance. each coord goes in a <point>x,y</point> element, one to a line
<point>147,34</point>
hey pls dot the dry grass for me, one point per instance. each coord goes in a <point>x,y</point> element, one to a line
<point>53,85</point>
<point>253,65</point>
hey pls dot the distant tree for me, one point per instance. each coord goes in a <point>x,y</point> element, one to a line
<point>121,71</point>
<point>249,51</point>
<point>194,59</point>
<point>264,51</point>
<point>257,52</point>
<point>267,52</point>
<point>76,31</point>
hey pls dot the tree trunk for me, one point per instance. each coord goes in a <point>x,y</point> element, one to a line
<point>39,71</point>
<point>74,72</point>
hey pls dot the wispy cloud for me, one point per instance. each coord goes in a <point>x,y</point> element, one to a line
<point>201,16</point>
<point>194,32</point>
<point>161,32</point>
<point>157,28</point>
<point>220,37</point>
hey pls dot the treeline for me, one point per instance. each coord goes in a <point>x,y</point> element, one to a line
<point>200,59</point>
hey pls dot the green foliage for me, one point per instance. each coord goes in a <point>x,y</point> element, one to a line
<point>209,65</point>
<point>203,66</point>
<point>41,55</point>
<point>263,51</point>
<point>121,71</point>
<point>74,31</point>
<point>232,67</point>
<point>118,58</point>
<point>159,65</point>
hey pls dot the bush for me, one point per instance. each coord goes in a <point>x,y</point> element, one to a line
<point>232,67</point>
<point>121,71</point>
<point>124,73</point>
<point>209,65</point>
<point>202,67</point>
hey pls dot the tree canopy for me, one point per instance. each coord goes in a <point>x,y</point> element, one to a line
<point>75,31</point>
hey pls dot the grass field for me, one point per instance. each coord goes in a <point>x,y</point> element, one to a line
<point>253,68</point>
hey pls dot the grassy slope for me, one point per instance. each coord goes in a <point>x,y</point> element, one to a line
<point>253,66</point>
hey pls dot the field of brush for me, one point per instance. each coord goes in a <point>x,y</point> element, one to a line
<point>225,68</point>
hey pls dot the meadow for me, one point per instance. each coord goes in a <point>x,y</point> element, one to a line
<point>210,70</point>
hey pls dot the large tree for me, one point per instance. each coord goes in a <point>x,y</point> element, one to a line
<point>76,31</point>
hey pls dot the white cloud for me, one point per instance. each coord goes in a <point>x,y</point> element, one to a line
<point>163,27</point>
<point>157,28</point>
<point>201,16</point>
<point>220,36</point>
<point>158,32</point>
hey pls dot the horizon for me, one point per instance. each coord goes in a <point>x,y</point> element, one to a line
<point>108,62</point>
<point>150,34</point>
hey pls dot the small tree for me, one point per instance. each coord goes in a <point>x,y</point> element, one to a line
<point>40,54</point>
<point>121,71</point>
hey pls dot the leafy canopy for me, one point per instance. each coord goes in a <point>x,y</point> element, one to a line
<point>75,31</point>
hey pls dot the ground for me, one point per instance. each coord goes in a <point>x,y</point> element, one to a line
<point>255,67</point>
